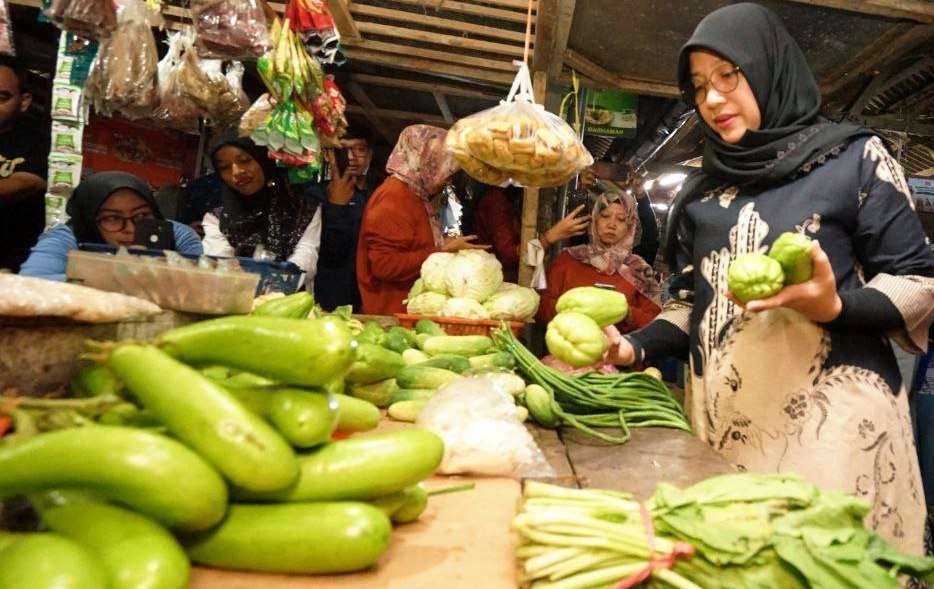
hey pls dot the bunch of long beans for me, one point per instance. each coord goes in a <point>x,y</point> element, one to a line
<point>596,400</point>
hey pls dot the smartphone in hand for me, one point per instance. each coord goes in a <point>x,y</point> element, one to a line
<point>154,234</point>
<point>341,161</point>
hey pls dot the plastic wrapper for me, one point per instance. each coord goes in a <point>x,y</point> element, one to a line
<point>6,30</point>
<point>328,109</point>
<point>91,19</point>
<point>175,109</point>
<point>203,82</point>
<point>258,112</point>
<point>67,102</point>
<point>478,421</point>
<point>289,134</point>
<point>312,20</point>
<point>230,29</point>
<point>66,137</point>
<point>21,296</point>
<point>288,71</point>
<point>64,173</point>
<point>123,77</point>
<point>518,142</point>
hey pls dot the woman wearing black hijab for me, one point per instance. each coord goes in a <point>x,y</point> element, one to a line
<point>104,209</point>
<point>805,381</point>
<point>260,209</point>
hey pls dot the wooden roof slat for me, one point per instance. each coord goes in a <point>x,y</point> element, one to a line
<point>427,66</point>
<point>370,111</point>
<point>520,4</point>
<point>444,107</point>
<point>607,79</point>
<point>428,87</point>
<point>401,115</point>
<point>467,8</point>
<point>397,49</point>
<point>439,39</point>
<point>436,22</point>
<point>917,10</point>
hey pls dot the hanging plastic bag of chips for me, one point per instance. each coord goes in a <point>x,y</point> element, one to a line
<point>312,20</point>
<point>518,142</point>
<point>258,112</point>
<point>328,109</point>
<point>230,29</point>
<point>202,81</point>
<point>91,19</point>
<point>123,76</point>
<point>175,109</point>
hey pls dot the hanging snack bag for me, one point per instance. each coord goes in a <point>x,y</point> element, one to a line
<point>123,77</point>
<point>202,81</point>
<point>518,142</point>
<point>91,19</point>
<point>175,109</point>
<point>328,109</point>
<point>230,29</point>
<point>256,115</point>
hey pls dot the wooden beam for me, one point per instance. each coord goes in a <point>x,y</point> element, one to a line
<point>369,110</point>
<point>400,115</point>
<point>902,124</point>
<point>424,86</point>
<point>889,47</point>
<point>917,10</point>
<point>521,4</point>
<point>439,39</point>
<point>444,107</point>
<point>447,56</point>
<point>436,22</point>
<point>529,226</point>
<point>343,20</point>
<point>604,78</point>
<point>552,30</point>
<point>426,66</point>
<point>562,33</point>
<point>464,8</point>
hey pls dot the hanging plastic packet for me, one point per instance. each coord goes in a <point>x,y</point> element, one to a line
<point>175,109</point>
<point>202,81</point>
<point>312,20</point>
<point>81,53</point>
<point>66,137</point>
<point>234,75</point>
<point>6,30</point>
<point>328,109</point>
<point>67,102</point>
<point>230,29</point>
<point>64,173</point>
<point>256,114</point>
<point>518,142</point>
<point>91,19</point>
<point>123,77</point>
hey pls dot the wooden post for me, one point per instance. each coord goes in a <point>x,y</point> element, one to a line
<point>530,198</point>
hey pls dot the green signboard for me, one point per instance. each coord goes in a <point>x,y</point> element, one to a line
<point>611,113</point>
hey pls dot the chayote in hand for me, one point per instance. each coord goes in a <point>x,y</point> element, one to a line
<point>604,306</point>
<point>575,339</point>
<point>793,252</point>
<point>754,276</point>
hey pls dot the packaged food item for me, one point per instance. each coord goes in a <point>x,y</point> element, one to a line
<point>518,142</point>
<point>202,82</point>
<point>91,19</point>
<point>230,29</point>
<point>256,114</point>
<point>66,137</point>
<point>67,102</point>
<point>175,109</point>
<point>64,173</point>
<point>123,77</point>
<point>328,109</point>
<point>55,210</point>
<point>6,30</point>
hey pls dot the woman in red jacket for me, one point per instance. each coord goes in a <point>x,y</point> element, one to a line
<point>400,226</point>
<point>607,260</point>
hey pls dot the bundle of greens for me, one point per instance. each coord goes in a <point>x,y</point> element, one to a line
<point>593,400</point>
<point>741,530</point>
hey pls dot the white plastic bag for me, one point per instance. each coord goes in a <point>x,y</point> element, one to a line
<point>482,434</point>
<point>518,142</point>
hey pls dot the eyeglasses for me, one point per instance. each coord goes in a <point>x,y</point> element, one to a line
<point>111,222</point>
<point>359,150</point>
<point>724,78</point>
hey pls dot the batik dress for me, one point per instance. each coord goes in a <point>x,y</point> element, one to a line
<point>775,392</point>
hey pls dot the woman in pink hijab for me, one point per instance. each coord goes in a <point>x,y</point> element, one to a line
<point>400,227</point>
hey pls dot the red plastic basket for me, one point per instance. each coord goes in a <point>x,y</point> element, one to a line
<point>458,326</point>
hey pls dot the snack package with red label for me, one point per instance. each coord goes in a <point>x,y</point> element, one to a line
<point>328,109</point>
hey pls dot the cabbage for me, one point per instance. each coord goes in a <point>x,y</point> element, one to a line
<point>433,271</point>
<point>417,289</point>
<point>515,304</point>
<point>427,303</point>
<point>464,308</point>
<point>506,286</point>
<point>473,274</point>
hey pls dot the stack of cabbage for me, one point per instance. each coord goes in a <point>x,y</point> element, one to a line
<point>469,285</point>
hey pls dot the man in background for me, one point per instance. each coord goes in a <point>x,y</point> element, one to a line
<point>24,152</point>
<point>343,200</point>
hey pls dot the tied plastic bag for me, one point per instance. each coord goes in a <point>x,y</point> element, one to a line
<point>6,30</point>
<point>175,109</point>
<point>256,114</point>
<point>230,29</point>
<point>328,109</point>
<point>91,19</point>
<point>518,142</point>
<point>123,76</point>
<point>477,419</point>
<point>203,82</point>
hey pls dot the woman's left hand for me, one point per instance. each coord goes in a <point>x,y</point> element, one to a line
<point>816,299</point>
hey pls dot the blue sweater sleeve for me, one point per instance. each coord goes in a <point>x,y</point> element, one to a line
<point>186,240</point>
<point>49,257</point>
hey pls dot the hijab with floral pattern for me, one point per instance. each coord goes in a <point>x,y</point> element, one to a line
<point>618,257</point>
<point>420,160</point>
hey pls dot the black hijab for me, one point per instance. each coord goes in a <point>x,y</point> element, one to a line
<point>90,195</point>
<point>792,133</point>
<point>273,217</point>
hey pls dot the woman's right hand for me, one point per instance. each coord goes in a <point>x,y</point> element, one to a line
<point>456,244</point>
<point>620,352</point>
<point>570,226</point>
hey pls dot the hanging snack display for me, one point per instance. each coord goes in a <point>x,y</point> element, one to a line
<point>312,20</point>
<point>6,30</point>
<point>328,109</point>
<point>91,19</point>
<point>518,142</point>
<point>123,77</point>
<point>175,109</point>
<point>202,82</point>
<point>230,29</point>
<point>258,112</point>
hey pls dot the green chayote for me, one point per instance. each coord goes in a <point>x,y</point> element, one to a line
<point>754,276</point>
<point>604,306</point>
<point>575,339</point>
<point>793,252</point>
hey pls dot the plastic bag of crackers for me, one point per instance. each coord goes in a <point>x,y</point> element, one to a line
<point>518,142</point>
